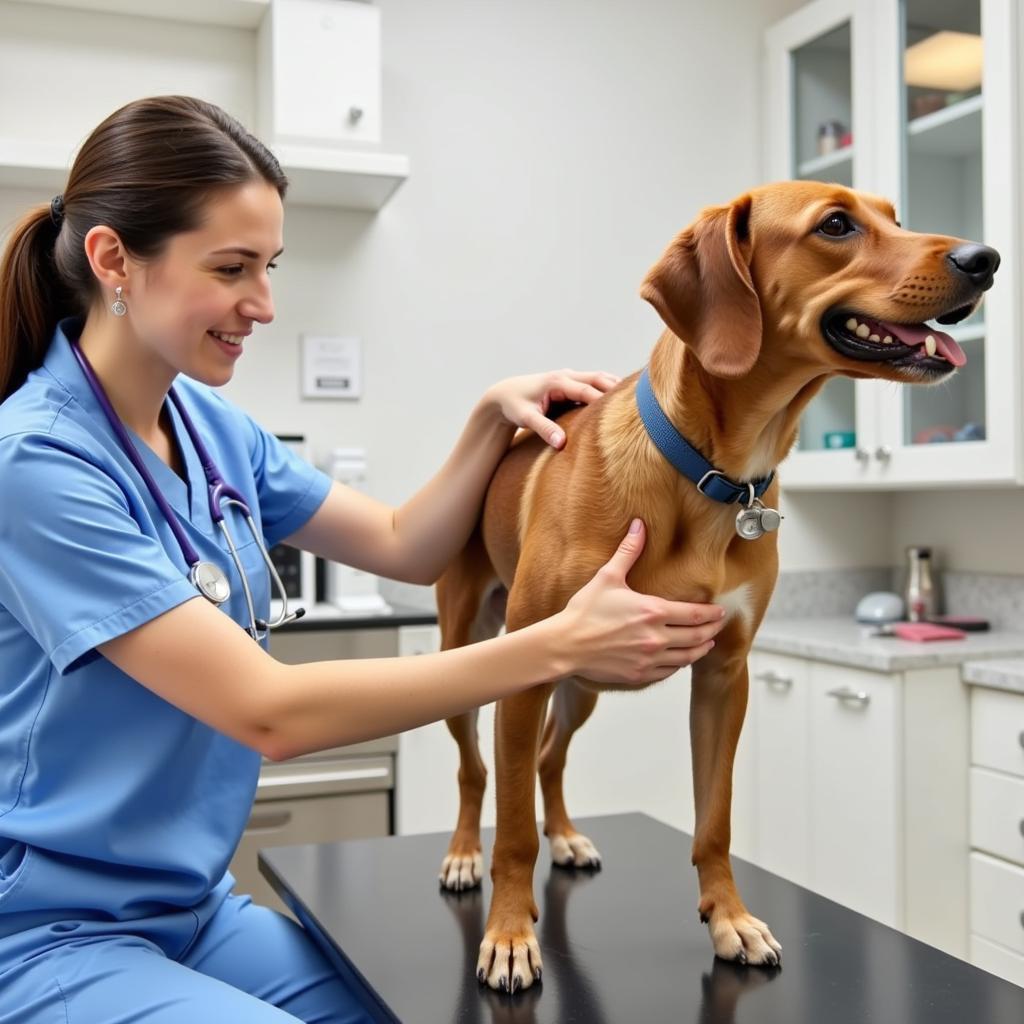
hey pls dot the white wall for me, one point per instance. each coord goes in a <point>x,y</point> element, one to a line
<point>555,148</point>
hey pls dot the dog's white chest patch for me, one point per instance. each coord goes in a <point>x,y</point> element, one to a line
<point>736,602</point>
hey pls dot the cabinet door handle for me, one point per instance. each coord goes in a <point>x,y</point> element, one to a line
<point>776,679</point>
<point>1020,738</point>
<point>1022,826</point>
<point>861,454</point>
<point>268,821</point>
<point>1022,919</point>
<point>853,696</point>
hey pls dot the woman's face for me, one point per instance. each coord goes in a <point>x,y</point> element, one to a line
<point>196,304</point>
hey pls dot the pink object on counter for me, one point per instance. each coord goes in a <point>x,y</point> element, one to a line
<point>922,631</point>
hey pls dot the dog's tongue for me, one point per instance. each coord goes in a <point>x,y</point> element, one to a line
<point>914,334</point>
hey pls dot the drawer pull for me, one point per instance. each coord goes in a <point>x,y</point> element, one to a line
<point>776,679</point>
<point>1022,826</point>
<point>334,775</point>
<point>268,821</point>
<point>844,693</point>
<point>1020,738</point>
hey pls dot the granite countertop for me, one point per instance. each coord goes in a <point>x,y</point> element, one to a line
<point>1003,674</point>
<point>843,642</point>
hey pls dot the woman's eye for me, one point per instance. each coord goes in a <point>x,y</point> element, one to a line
<point>835,225</point>
<point>233,271</point>
<point>271,266</point>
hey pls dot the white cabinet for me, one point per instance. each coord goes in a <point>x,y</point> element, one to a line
<point>997,832</point>
<point>862,93</point>
<point>320,81</point>
<point>777,719</point>
<point>295,71</point>
<point>860,789</point>
<point>855,811</point>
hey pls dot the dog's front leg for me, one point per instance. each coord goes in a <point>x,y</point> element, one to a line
<point>718,702</point>
<point>509,954</point>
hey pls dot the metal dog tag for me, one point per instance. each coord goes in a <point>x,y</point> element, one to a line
<point>756,520</point>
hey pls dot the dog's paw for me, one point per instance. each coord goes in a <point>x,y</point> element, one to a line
<point>574,851</point>
<point>460,871</point>
<point>509,958</point>
<point>742,938</point>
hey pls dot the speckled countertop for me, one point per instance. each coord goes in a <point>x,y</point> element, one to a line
<point>843,642</point>
<point>1003,674</point>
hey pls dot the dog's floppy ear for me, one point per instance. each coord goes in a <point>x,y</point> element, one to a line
<point>701,288</point>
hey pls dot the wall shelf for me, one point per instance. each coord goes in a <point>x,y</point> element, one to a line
<point>236,13</point>
<point>345,179</point>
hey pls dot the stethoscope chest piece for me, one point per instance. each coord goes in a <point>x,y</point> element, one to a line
<point>210,581</point>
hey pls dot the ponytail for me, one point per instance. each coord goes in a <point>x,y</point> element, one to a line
<point>146,172</point>
<point>32,298</point>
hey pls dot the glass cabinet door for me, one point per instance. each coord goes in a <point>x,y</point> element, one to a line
<point>942,191</point>
<point>822,139</point>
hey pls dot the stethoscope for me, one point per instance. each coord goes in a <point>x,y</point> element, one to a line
<point>209,579</point>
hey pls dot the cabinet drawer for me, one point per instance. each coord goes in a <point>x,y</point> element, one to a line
<point>997,901</point>
<point>996,960</point>
<point>320,819</point>
<point>997,814</point>
<point>997,730</point>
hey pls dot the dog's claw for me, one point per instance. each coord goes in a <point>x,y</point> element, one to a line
<point>516,984</point>
<point>481,975</point>
<point>537,972</point>
<point>741,957</point>
<point>503,985</point>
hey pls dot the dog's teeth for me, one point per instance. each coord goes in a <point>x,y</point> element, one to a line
<point>851,324</point>
<point>874,337</point>
<point>887,340</point>
<point>863,331</point>
<point>929,345</point>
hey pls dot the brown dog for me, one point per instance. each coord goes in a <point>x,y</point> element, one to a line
<point>765,299</point>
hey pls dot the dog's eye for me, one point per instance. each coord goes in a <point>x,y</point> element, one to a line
<point>835,225</point>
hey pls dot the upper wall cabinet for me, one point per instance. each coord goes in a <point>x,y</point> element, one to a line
<point>305,75</point>
<point>916,100</point>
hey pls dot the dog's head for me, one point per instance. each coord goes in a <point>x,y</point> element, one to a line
<point>821,276</point>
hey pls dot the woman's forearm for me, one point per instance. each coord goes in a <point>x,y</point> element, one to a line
<point>434,525</point>
<point>333,703</point>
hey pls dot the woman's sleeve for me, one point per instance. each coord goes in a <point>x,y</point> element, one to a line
<point>76,568</point>
<point>290,489</point>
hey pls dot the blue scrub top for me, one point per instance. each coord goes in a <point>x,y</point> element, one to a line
<point>114,804</point>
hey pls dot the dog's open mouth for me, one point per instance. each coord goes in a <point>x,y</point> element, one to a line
<point>867,339</point>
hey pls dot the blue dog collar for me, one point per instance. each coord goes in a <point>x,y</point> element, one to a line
<point>711,482</point>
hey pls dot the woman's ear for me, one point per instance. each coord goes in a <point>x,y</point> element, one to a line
<point>107,257</point>
<point>702,289</point>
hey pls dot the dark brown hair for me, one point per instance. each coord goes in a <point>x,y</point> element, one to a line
<point>146,172</point>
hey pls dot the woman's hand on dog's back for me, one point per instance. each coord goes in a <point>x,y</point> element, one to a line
<point>616,635</point>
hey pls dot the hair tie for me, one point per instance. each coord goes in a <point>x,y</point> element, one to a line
<point>57,209</point>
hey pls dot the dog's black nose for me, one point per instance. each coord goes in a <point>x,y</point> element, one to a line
<point>978,263</point>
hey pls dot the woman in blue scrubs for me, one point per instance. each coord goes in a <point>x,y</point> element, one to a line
<point>134,712</point>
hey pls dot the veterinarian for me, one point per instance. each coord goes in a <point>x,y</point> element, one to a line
<point>134,704</point>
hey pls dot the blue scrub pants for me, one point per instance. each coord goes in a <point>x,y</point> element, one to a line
<point>247,963</point>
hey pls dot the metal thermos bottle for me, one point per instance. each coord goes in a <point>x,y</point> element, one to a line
<point>921,604</point>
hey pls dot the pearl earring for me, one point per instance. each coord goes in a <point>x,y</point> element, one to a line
<point>117,307</point>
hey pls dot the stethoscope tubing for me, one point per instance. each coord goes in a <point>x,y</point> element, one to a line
<point>219,493</point>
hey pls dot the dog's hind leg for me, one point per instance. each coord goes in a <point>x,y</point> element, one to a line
<point>571,706</point>
<point>471,607</point>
